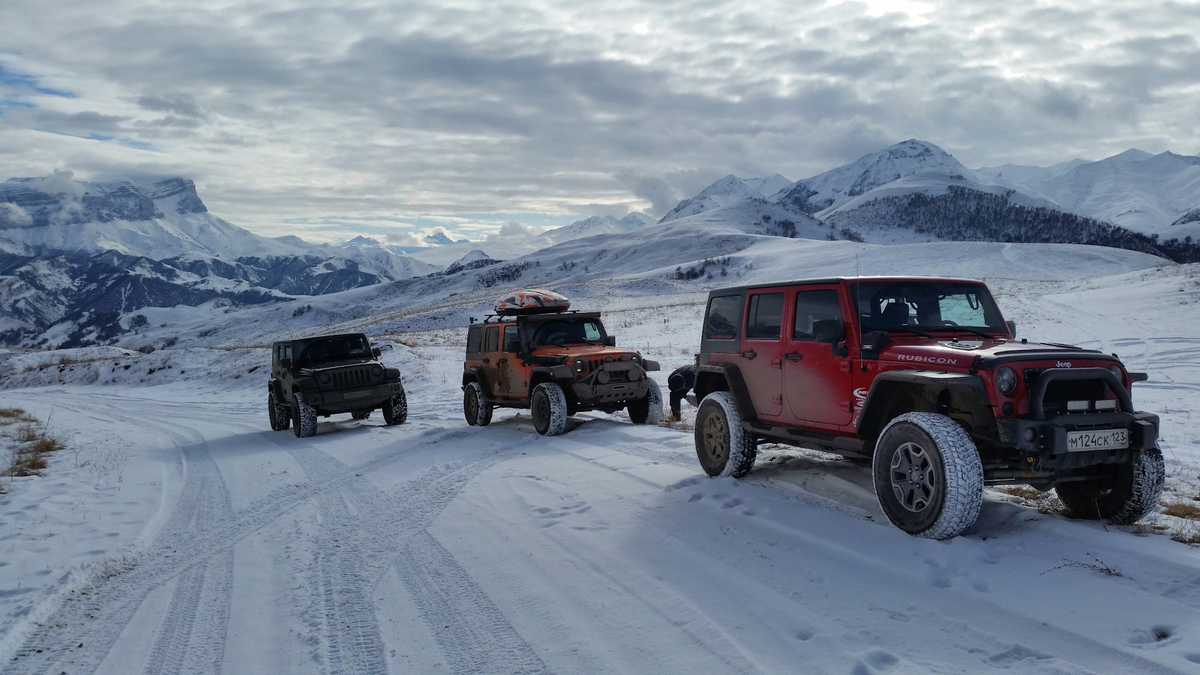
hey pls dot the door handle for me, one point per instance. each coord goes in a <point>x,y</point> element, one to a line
<point>486,360</point>
<point>793,356</point>
<point>748,355</point>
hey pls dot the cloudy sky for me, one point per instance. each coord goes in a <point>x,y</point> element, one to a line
<point>394,117</point>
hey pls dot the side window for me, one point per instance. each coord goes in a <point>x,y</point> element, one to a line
<point>724,315</point>
<point>491,342</point>
<point>813,306</point>
<point>287,351</point>
<point>764,316</point>
<point>474,339</point>
<point>510,335</point>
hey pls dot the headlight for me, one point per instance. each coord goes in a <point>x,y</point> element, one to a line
<point>602,377</point>
<point>1006,380</point>
<point>1116,370</point>
<point>323,378</point>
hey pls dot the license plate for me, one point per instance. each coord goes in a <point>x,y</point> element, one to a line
<point>1104,439</point>
<point>357,394</point>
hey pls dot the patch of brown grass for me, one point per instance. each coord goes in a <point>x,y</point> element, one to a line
<point>29,443</point>
<point>1182,510</point>
<point>1045,502</point>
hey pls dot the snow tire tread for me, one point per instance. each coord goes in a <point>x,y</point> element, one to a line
<point>961,468</point>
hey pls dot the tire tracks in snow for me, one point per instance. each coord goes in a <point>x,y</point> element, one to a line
<point>78,636</point>
<point>354,550</point>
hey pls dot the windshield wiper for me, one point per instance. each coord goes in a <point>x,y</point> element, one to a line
<point>914,331</point>
<point>969,330</point>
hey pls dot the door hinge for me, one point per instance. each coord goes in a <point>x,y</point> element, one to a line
<point>777,400</point>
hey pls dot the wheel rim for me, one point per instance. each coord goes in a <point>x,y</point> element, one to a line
<point>716,439</point>
<point>472,405</point>
<point>541,411</point>
<point>913,480</point>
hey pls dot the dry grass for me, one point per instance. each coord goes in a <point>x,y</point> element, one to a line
<point>1181,509</point>
<point>1045,502</point>
<point>29,443</point>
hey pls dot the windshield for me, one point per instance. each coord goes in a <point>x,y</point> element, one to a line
<point>321,351</point>
<point>560,332</point>
<point>926,306</point>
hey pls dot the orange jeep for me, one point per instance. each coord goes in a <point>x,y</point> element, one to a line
<point>534,353</point>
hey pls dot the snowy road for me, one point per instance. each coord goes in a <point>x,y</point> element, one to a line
<point>437,547</point>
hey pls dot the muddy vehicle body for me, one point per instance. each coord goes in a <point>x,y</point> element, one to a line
<point>328,375</point>
<point>555,362</point>
<point>924,380</point>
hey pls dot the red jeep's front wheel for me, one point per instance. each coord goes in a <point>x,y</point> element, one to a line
<point>928,476</point>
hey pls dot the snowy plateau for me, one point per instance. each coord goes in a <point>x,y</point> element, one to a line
<point>174,532</point>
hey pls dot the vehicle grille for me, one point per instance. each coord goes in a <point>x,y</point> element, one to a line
<point>350,377</point>
<point>1061,391</point>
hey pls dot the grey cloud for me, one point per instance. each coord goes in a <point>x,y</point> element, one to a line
<point>419,108</point>
<point>662,197</point>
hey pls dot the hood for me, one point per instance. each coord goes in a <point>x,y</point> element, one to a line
<point>591,351</point>
<point>962,353</point>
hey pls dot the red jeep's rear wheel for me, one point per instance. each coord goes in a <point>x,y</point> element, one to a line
<point>476,407</point>
<point>723,447</point>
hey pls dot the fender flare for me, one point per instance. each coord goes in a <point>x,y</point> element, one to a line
<point>475,375</point>
<point>954,391</point>
<point>725,377</point>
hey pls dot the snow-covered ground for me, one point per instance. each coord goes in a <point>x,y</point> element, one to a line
<point>177,533</point>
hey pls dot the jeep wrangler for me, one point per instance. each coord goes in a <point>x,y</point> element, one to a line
<point>535,353</point>
<point>328,375</point>
<point>923,379</point>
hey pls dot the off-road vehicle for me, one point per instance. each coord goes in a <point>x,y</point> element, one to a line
<point>925,380</point>
<point>535,353</point>
<point>328,375</point>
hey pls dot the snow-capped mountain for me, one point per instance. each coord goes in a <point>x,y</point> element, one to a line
<point>724,192</point>
<point>1146,193</point>
<point>902,160</point>
<point>76,257</point>
<point>589,227</point>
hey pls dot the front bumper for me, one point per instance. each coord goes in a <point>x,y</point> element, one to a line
<point>614,382</point>
<point>350,400</point>
<point>1043,443</point>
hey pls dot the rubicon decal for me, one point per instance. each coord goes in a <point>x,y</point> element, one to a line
<point>940,360</point>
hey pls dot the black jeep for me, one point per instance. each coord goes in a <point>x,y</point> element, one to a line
<point>328,375</point>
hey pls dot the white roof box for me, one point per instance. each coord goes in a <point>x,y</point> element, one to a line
<point>532,301</point>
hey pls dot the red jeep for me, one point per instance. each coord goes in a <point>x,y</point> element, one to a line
<point>534,353</point>
<point>924,379</point>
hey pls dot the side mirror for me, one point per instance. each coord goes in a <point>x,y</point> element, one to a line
<point>832,331</point>
<point>376,352</point>
<point>1012,327</point>
<point>285,363</point>
<point>610,340</point>
<point>512,346</point>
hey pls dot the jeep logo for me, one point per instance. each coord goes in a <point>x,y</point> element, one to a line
<point>1063,364</point>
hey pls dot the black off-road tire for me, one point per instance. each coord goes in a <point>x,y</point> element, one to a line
<point>928,476</point>
<point>281,416</point>
<point>1133,493</point>
<point>648,409</point>
<point>476,406</point>
<point>549,407</point>
<point>304,418</point>
<point>723,447</point>
<point>361,414</point>
<point>395,409</point>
